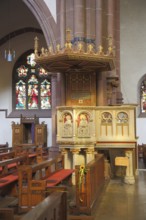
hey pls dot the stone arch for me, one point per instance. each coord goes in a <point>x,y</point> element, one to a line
<point>44,17</point>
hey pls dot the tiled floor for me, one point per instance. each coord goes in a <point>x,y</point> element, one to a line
<point>123,202</point>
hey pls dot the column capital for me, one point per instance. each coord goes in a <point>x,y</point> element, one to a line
<point>89,150</point>
<point>63,151</point>
<point>75,151</point>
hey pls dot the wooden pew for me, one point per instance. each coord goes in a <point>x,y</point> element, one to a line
<point>35,180</point>
<point>9,175</point>
<point>6,214</point>
<point>4,147</point>
<point>35,153</point>
<point>7,155</point>
<point>52,207</point>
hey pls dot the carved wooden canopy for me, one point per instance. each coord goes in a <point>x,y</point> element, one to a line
<point>69,61</point>
<point>79,57</point>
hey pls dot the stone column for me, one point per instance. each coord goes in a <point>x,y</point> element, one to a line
<point>54,104</point>
<point>65,153</point>
<point>58,98</point>
<point>79,18</point>
<point>62,23</point>
<point>110,18</point>
<point>89,154</point>
<point>75,161</point>
<point>117,49</point>
<point>99,22</point>
<point>129,177</point>
<point>90,21</point>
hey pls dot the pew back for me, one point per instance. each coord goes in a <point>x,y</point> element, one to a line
<point>35,179</point>
<point>52,207</point>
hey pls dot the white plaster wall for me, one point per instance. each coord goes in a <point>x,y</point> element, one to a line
<point>133,46</point>
<point>6,69</point>
<point>133,54</point>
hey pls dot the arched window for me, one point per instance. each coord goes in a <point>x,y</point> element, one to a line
<point>143,96</point>
<point>31,87</point>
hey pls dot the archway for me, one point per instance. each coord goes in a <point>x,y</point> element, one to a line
<point>45,19</point>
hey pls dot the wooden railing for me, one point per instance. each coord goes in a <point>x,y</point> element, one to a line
<point>89,183</point>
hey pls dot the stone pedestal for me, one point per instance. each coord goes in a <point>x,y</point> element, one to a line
<point>129,177</point>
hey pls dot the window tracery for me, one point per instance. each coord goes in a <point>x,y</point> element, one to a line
<point>32,85</point>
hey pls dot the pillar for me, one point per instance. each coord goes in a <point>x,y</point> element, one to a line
<point>54,104</point>
<point>65,153</point>
<point>89,154</point>
<point>129,177</point>
<point>99,22</point>
<point>75,161</point>
<point>62,21</point>
<point>90,21</point>
<point>79,18</point>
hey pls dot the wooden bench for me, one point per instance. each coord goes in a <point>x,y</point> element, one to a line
<point>9,175</point>
<point>36,181</point>
<point>6,214</point>
<point>52,207</point>
<point>35,153</point>
<point>7,155</point>
<point>4,147</point>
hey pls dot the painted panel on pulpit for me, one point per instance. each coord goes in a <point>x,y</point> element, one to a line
<point>67,125</point>
<point>83,125</point>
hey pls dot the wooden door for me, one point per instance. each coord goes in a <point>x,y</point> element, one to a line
<point>41,134</point>
<point>17,134</point>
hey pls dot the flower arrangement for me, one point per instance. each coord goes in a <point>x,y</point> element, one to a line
<point>82,173</point>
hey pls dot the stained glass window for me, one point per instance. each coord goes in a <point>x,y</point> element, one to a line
<point>143,96</point>
<point>20,95</point>
<point>32,85</point>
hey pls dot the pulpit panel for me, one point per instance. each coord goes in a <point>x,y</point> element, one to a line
<point>88,125</point>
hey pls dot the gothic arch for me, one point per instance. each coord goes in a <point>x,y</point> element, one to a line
<point>45,19</point>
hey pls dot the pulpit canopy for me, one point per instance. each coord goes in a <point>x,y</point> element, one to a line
<point>80,57</point>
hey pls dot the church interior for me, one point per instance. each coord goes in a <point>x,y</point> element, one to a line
<point>72,109</point>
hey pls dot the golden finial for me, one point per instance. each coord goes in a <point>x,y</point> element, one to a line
<point>80,47</point>
<point>90,48</point>
<point>50,49</point>
<point>36,45</point>
<point>42,51</point>
<point>110,46</point>
<point>68,35</point>
<point>110,41</point>
<point>100,49</point>
<point>58,48</point>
